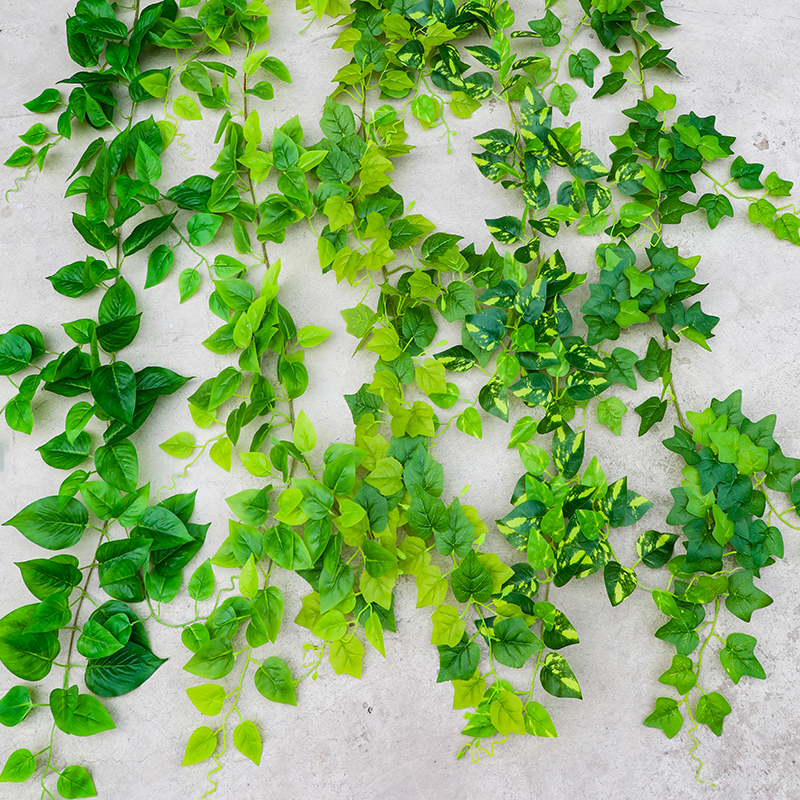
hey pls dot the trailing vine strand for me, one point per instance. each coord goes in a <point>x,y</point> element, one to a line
<point>457,334</point>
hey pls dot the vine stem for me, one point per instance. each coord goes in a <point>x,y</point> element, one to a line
<point>641,70</point>
<point>84,592</point>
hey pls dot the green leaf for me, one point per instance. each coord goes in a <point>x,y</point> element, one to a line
<point>312,335</point>
<point>681,674</point>
<point>186,108</point>
<point>114,390</point>
<point>202,228</point>
<point>716,207</point>
<point>75,782</point>
<point>188,283</point>
<point>19,766</point>
<point>557,677</point>
<point>201,584</point>
<point>79,714</point>
<point>711,710</point>
<point>582,65</point>
<point>180,445</point>
<point>50,615</point>
<point>208,698</point>
<point>247,740</point>
<point>101,498</point>
<point>121,672</point>
<point>49,526</point>
<point>458,662</point>
<point>21,157</point>
<point>201,746</point>
<point>27,655</point>
<point>620,582</point>
<point>146,232</point>
<point>163,527</point>
<point>651,411</point>
<point>471,580</point>
<point>666,717</point>
<point>96,641</point>
<point>738,657</point>
<point>747,175</point>
<point>513,642</point>
<point>347,656</point>
<point>338,121</point>
<point>448,627</point>
<point>214,660</point>
<point>118,465</point>
<point>15,705</point>
<point>44,576</point>
<point>159,265</point>
<point>776,186</point>
<point>537,720</point>
<point>610,413</point>
<point>743,597</point>
<point>47,100</point>
<point>62,453</point>
<point>505,712</point>
<point>274,680</point>
<point>15,353</point>
<point>303,435</point>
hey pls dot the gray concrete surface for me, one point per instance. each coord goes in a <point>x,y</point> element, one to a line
<point>394,734</point>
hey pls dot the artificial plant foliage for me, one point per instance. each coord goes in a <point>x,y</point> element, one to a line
<point>354,519</point>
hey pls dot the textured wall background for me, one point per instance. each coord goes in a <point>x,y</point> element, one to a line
<point>394,734</point>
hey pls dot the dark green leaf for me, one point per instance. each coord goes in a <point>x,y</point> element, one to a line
<point>49,526</point>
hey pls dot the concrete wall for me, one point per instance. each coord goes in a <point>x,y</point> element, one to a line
<point>394,734</point>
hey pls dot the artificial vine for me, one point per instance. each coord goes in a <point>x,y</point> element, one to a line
<point>353,519</point>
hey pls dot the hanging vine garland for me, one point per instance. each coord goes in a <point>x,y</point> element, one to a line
<point>352,519</point>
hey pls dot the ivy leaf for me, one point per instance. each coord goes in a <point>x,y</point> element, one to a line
<point>610,413</point>
<point>776,186</point>
<point>582,65</point>
<point>548,28</point>
<point>747,175</point>
<point>666,717</point>
<point>681,674</point>
<point>651,411</point>
<point>743,597</point>
<point>716,207</point>
<point>711,710</point>
<point>738,657</point>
